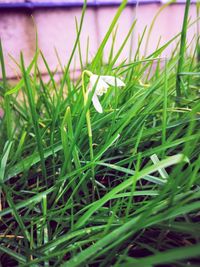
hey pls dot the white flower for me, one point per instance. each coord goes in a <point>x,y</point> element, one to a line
<point>102,84</point>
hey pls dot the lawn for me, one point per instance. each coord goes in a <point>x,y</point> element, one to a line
<point>104,170</point>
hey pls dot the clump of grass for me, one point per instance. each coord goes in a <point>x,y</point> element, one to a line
<point>135,201</point>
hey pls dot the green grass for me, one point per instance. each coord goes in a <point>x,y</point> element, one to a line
<point>118,188</point>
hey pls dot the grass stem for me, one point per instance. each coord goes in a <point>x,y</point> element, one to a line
<point>182,50</point>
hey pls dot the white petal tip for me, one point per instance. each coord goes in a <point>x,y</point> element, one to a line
<point>114,81</point>
<point>122,84</point>
<point>97,104</point>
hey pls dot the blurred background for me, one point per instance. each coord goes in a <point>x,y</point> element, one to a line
<point>56,27</point>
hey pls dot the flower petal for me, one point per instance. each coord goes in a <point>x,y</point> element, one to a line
<point>102,87</point>
<point>93,79</point>
<point>96,103</point>
<point>92,83</point>
<point>113,80</point>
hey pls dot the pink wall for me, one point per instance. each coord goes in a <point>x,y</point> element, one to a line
<point>56,29</point>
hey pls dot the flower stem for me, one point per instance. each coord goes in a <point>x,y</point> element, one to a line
<point>89,127</point>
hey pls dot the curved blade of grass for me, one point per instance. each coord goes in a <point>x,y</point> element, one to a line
<point>27,162</point>
<point>23,204</point>
<point>148,177</point>
<point>4,159</point>
<point>162,164</point>
<point>123,232</point>
<point>182,48</point>
<point>82,232</point>
<point>169,256</point>
<point>7,109</point>
<point>21,259</point>
<point>153,23</point>
<point>122,46</point>
<point>98,56</point>
<point>34,115</point>
<point>21,82</point>
<point>17,216</point>
<point>162,48</point>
